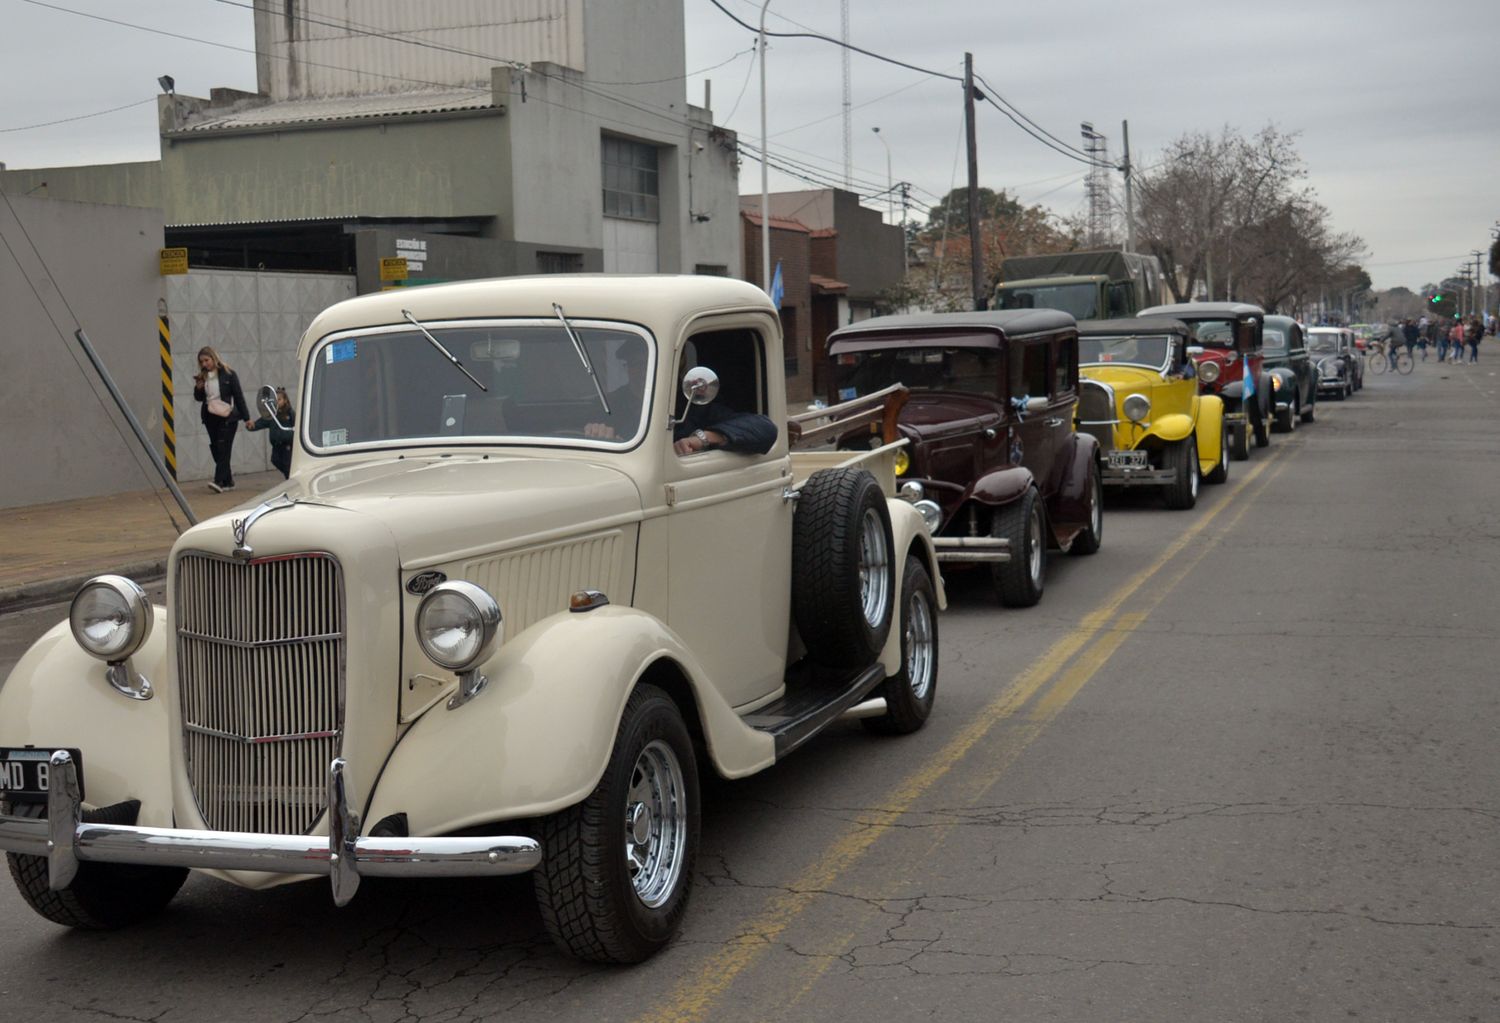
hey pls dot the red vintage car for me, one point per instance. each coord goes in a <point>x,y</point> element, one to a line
<point>989,426</point>
<point>1227,338</point>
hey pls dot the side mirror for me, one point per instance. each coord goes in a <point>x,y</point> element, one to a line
<point>700,385</point>
<point>1035,405</point>
<point>265,400</point>
<point>1194,351</point>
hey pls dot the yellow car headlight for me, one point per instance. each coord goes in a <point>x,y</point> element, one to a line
<point>1275,383</point>
<point>903,462</point>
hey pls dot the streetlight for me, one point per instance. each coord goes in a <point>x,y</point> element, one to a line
<point>890,187</point>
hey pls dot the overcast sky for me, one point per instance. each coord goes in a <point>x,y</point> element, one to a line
<point>1397,102</point>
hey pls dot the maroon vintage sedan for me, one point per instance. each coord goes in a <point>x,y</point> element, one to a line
<point>990,428</point>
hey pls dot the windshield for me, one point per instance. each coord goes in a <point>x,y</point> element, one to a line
<point>1214,333</point>
<point>966,370</point>
<point>1323,344</point>
<point>1141,351</point>
<point>393,385</point>
<point>1273,338</point>
<point>1079,299</point>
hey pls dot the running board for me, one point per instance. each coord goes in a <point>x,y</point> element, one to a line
<point>815,698</point>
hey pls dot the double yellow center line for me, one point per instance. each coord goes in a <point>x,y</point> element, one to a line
<point>1063,670</point>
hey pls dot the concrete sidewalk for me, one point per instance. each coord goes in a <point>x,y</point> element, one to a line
<point>48,550</point>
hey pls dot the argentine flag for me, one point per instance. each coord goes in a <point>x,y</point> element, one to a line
<point>778,289</point>
<point>1249,376</point>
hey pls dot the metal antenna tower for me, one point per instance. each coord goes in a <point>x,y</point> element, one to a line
<point>848,104</point>
<point>1097,186</point>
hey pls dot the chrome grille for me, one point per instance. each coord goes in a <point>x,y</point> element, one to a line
<point>1096,411</point>
<point>260,662</point>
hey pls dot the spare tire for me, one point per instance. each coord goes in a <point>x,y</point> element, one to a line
<point>843,571</point>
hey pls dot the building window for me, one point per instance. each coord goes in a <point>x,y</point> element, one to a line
<point>630,185</point>
<point>711,270</point>
<point>559,262</point>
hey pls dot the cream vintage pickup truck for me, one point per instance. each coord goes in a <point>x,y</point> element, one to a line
<point>546,546</point>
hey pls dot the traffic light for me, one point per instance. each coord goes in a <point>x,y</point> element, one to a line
<point>1437,297</point>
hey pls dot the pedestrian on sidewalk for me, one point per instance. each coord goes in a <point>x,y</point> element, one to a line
<point>281,432</point>
<point>1472,333</point>
<point>1456,340</point>
<point>218,388</point>
<point>1442,341</point>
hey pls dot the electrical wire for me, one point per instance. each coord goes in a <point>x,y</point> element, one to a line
<point>80,117</point>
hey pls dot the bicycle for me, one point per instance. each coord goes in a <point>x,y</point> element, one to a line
<point>1390,358</point>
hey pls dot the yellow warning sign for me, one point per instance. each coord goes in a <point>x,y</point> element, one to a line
<point>393,269</point>
<point>173,261</point>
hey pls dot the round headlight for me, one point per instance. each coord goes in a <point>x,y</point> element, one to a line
<point>1209,370</point>
<point>111,617</point>
<point>457,623</point>
<point>1275,383</point>
<point>903,462</point>
<point>1137,407</point>
<point>931,514</point>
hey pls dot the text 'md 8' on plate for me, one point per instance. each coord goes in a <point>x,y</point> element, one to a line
<point>26,772</point>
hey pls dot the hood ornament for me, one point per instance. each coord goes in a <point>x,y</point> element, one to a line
<point>241,527</point>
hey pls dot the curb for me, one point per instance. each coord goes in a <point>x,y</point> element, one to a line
<point>52,591</point>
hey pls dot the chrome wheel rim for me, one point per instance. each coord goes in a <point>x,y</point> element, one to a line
<point>1192,464</point>
<point>874,569</point>
<point>656,824</point>
<point>1034,538</point>
<point>919,645</point>
<point>1223,447</point>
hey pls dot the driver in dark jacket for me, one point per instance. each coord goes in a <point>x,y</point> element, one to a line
<point>714,426</point>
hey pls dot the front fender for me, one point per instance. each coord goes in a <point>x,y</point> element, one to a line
<point>538,738</point>
<point>1001,486</point>
<point>1210,432</point>
<point>57,696</point>
<point>1173,426</point>
<point>908,535</point>
<point>1289,385</point>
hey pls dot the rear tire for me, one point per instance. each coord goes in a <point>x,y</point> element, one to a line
<point>1181,457</point>
<point>1092,534</point>
<point>617,868</point>
<point>103,896</point>
<point>1019,581</point>
<point>909,694</point>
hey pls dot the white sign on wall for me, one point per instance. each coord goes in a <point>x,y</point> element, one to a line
<point>414,251</point>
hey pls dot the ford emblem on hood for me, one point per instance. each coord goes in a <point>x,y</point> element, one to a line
<point>420,583</point>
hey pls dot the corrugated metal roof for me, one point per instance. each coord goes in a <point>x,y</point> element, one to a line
<point>310,111</point>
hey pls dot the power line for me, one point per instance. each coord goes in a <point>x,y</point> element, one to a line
<point>837,42</point>
<point>80,117</point>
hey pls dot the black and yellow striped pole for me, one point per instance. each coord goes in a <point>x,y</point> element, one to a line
<point>168,424</point>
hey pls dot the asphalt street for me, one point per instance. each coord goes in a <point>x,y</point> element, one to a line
<point>1239,765</point>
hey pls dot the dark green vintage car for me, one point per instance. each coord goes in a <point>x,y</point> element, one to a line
<point>1294,378</point>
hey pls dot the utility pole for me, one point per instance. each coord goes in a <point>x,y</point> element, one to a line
<point>976,263</point>
<point>765,192</point>
<point>1129,191</point>
<point>905,251</point>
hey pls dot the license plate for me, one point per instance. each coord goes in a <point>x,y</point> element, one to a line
<point>1127,459</point>
<point>24,773</point>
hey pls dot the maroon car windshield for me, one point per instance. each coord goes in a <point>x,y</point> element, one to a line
<point>965,370</point>
<point>1214,333</point>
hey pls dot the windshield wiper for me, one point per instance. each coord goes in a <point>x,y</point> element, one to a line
<point>439,346</point>
<point>583,356</point>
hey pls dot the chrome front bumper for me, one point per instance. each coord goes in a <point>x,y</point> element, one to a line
<point>992,549</point>
<point>345,856</point>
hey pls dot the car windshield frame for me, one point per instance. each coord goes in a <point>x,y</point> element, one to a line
<point>934,348</point>
<point>1079,311</point>
<point>1266,335</point>
<point>1219,344</point>
<point>1163,366</point>
<point>1316,340</point>
<point>459,336</point>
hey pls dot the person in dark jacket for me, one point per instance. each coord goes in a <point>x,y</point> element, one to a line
<point>712,426</point>
<point>217,387</point>
<point>282,432</point>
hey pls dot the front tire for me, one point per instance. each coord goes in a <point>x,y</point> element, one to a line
<point>1286,419</point>
<point>1019,580</point>
<point>1239,440</point>
<point>617,868</point>
<point>1181,458</point>
<point>103,896</point>
<point>1259,422</point>
<point>909,695</point>
<point>1310,413</point>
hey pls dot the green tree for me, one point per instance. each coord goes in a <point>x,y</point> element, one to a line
<point>953,209</point>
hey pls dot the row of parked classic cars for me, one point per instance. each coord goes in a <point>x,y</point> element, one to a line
<point>551,545</point>
<point>1019,420</point>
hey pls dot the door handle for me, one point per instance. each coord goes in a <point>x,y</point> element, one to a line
<point>1052,422</point>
